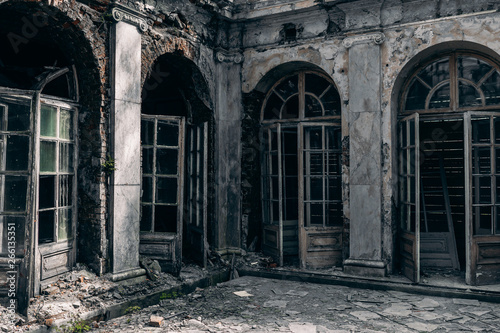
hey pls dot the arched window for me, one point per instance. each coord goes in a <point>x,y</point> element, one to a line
<point>301,171</point>
<point>449,148</point>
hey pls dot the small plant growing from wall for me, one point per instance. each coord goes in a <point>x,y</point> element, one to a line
<point>109,165</point>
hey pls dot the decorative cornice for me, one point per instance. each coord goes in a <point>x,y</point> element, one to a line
<point>376,38</point>
<point>229,56</point>
<point>122,13</point>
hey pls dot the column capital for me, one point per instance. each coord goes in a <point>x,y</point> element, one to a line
<point>229,56</point>
<point>124,13</point>
<point>376,38</point>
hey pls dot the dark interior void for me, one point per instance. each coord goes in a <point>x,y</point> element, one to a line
<point>442,177</point>
<point>28,52</point>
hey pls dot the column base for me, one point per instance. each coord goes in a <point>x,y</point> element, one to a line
<point>363,267</point>
<point>129,277</point>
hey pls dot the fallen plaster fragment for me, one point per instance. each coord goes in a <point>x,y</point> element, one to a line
<point>242,293</point>
<point>474,310</point>
<point>426,315</point>
<point>422,327</point>
<point>365,315</point>
<point>398,310</point>
<point>426,303</point>
<point>341,307</point>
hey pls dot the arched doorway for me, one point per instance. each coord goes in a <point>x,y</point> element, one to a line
<point>448,134</point>
<point>176,159</point>
<point>301,171</point>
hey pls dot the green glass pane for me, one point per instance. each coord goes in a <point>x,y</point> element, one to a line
<point>64,225</point>
<point>66,124</point>
<point>66,157</point>
<point>47,156</point>
<point>48,121</point>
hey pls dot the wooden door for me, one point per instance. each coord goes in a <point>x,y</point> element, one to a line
<point>56,200</point>
<point>482,156</point>
<point>409,164</point>
<point>195,243</point>
<point>320,196</point>
<point>272,205</point>
<point>16,180</point>
<point>162,143</point>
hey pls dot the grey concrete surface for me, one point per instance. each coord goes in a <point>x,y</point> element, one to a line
<point>251,304</point>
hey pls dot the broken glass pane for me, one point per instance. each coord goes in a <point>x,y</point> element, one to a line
<point>46,190</point>
<point>436,72</point>
<point>291,108</point>
<point>491,89</point>
<point>65,157</point>
<point>166,190</point>
<point>47,156</point>
<point>15,193</point>
<point>468,95</point>
<point>147,132</point>
<point>288,87</point>
<point>66,124</point>
<point>65,190</point>
<point>316,214</point>
<point>316,189</point>
<point>333,137</point>
<point>312,107</point>
<point>315,163</point>
<point>481,163</point>
<point>441,98</point>
<point>65,225</point>
<point>17,153</point>
<point>480,130</point>
<point>273,107</point>
<point>167,134</point>
<point>316,84</point>
<point>472,69</point>
<point>334,214</point>
<point>334,188</point>
<point>18,222</point>
<point>147,160</point>
<point>165,219</point>
<point>46,227</point>
<point>482,220</point>
<point>331,102</point>
<point>146,218</point>
<point>417,94</point>
<point>481,190</point>
<point>48,121</point>
<point>18,117</point>
<point>147,189</point>
<point>166,161</point>
<point>313,138</point>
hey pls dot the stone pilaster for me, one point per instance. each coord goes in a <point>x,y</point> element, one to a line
<point>228,115</point>
<point>365,156</point>
<point>125,188</point>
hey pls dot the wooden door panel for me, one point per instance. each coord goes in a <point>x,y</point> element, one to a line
<point>162,248</point>
<point>270,241</point>
<point>408,255</point>
<point>323,247</point>
<point>437,249</point>
<point>486,260</point>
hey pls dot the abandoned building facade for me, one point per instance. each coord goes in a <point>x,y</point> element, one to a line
<point>356,134</point>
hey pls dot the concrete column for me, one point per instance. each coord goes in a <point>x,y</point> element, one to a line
<point>125,188</point>
<point>365,156</point>
<point>227,144</point>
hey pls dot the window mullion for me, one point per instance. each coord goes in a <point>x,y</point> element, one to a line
<point>453,82</point>
<point>153,170</point>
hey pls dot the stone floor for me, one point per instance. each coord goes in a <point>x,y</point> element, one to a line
<point>251,304</point>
